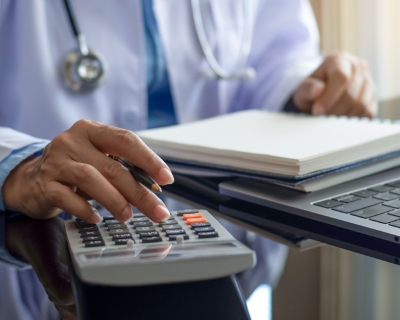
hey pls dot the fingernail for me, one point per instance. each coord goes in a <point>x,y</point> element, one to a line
<point>166,175</point>
<point>160,213</point>
<point>126,214</point>
<point>95,217</point>
<point>314,91</point>
<point>318,109</point>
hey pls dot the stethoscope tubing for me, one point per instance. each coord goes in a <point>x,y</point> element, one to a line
<point>245,45</point>
<point>71,17</point>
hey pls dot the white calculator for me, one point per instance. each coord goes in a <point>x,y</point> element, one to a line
<point>191,245</point>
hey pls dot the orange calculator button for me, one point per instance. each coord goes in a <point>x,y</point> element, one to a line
<point>192,215</point>
<point>195,220</point>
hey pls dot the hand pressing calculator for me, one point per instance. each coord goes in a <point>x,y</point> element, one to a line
<point>191,245</point>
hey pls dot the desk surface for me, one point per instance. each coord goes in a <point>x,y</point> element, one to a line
<point>204,193</point>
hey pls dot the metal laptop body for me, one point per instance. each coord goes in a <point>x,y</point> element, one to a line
<point>303,204</point>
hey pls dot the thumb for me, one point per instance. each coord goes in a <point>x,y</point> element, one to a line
<point>307,92</point>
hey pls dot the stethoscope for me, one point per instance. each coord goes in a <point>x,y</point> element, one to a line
<point>85,70</point>
<point>215,70</point>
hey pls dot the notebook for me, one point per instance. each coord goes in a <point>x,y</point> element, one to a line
<point>276,145</point>
<point>315,182</point>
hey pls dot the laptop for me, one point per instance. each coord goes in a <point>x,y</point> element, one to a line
<point>369,205</point>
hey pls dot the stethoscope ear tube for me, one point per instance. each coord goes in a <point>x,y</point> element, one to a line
<point>215,70</point>
<point>244,74</point>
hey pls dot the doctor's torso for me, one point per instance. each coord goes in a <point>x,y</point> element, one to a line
<point>35,37</point>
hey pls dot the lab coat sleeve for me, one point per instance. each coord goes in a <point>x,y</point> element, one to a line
<point>14,148</point>
<point>285,50</point>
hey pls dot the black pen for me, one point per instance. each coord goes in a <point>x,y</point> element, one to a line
<point>138,174</point>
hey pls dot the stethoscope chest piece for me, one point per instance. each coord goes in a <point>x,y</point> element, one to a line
<point>84,72</point>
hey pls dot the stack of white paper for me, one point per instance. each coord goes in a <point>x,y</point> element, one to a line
<point>282,144</point>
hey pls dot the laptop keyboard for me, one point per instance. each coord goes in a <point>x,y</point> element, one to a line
<point>379,203</point>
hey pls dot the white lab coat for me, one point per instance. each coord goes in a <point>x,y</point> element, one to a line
<point>35,36</point>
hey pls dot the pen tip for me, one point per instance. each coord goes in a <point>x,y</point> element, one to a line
<point>156,188</point>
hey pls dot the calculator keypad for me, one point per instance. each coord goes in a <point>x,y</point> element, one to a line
<point>186,224</point>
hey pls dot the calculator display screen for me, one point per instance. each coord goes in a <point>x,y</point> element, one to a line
<point>163,251</point>
<point>111,254</point>
<point>204,246</point>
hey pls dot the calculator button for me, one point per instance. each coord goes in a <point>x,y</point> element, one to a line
<point>327,204</point>
<point>180,213</point>
<point>90,233</point>
<point>108,218</point>
<point>82,224</point>
<point>176,231</point>
<point>192,215</point>
<point>121,241</point>
<point>116,226</point>
<point>151,239</point>
<point>200,225</point>
<point>205,229</point>
<point>92,238</point>
<point>144,229</point>
<point>126,235</point>
<point>116,231</point>
<point>195,220</point>
<point>213,234</point>
<point>138,215</point>
<point>108,222</point>
<point>168,222</point>
<point>142,224</point>
<point>95,243</point>
<point>139,219</point>
<point>173,237</point>
<point>148,234</point>
<point>94,228</point>
<point>171,227</point>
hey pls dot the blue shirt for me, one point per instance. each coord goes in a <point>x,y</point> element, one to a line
<point>159,99</point>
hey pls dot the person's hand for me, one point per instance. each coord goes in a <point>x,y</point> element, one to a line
<point>75,166</point>
<point>342,85</point>
<point>42,243</point>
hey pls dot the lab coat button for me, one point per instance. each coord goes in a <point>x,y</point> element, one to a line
<point>129,118</point>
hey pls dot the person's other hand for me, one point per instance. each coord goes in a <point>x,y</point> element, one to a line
<point>77,160</point>
<point>342,85</point>
<point>42,243</point>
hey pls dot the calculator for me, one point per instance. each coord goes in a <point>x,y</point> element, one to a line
<point>191,245</point>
